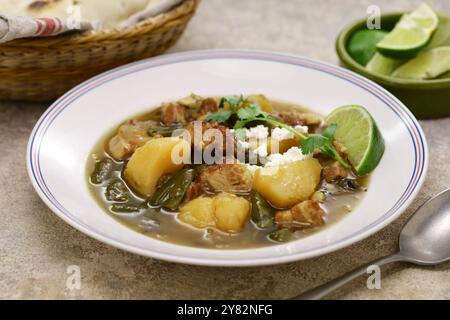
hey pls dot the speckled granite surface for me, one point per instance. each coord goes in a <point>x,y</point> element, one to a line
<point>36,246</point>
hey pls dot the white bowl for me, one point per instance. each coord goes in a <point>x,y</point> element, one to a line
<point>62,140</point>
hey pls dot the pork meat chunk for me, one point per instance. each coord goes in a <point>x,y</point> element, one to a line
<point>130,136</point>
<point>173,113</point>
<point>304,215</point>
<point>232,178</point>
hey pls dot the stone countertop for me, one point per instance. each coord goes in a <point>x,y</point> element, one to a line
<point>36,247</point>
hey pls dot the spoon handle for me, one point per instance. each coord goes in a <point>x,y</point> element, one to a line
<point>327,288</point>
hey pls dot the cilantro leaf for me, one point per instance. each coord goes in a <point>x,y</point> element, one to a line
<point>324,145</point>
<point>252,111</point>
<point>222,102</point>
<point>232,101</point>
<point>329,131</point>
<point>240,134</point>
<point>240,124</point>
<point>220,116</point>
<point>312,143</point>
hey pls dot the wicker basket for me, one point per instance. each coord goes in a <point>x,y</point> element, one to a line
<point>42,69</point>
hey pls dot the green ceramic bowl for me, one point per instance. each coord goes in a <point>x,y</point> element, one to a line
<point>425,98</point>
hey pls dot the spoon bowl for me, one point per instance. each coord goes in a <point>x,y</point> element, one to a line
<point>425,238</point>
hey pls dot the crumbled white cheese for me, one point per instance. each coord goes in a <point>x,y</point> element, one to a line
<point>259,132</point>
<point>256,143</point>
<point>261,150</point>
<point>243,144</point>
<point>281,134</point>
<point>256,140</point>
<point>302,129</point>
<point>242,147</point>
<point>292,155</point>
<point>252,168</point>
<point>275,159</point>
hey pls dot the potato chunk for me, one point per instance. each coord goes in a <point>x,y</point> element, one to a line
<point>262,101</point>
<point>198,213</point>
<point>281,146</point>
<point>231,212</point>
<point>153,160</point>
<point>289,184</point>
<point>226,212</point>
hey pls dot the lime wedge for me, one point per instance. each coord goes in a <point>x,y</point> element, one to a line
<point>445,75</point>
<point>425,17</point>
<point>411,34</point>
<point>362,45</point>
<point>441,37</point>
<point>428,65</point>
<point>405,41</point>
<point>382,65</point>
<point>358,133</point>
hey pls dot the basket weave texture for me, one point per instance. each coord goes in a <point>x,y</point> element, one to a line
<point>41,70</point>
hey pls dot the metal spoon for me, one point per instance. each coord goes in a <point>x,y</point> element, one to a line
<point>424,240</point>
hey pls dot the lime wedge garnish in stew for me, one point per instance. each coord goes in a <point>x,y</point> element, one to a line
<point>359,134</point>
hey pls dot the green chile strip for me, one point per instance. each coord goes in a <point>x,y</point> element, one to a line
<point>125,208</point>
<point>117,191</point>
<point>165,131</point>
<point>171,193</point>
<point>102,171</point>
<point>281,235</point>
<point>262,212</point>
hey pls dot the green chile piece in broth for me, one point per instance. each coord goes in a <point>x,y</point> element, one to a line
<point>281,235</point>
<point>171,193</point>
<point>125,207</point>
<point>165,131</point>
<point>262,212</point>
<point>117,191</point>
<point>102,171</point>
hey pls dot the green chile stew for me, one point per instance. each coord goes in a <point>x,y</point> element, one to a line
<point>200,205</point>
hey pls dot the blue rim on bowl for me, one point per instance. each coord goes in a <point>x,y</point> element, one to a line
<point>404,115</point>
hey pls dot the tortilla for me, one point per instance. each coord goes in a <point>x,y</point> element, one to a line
<point>109,13</point>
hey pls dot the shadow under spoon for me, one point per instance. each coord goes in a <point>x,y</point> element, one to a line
<point>424,240</point>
